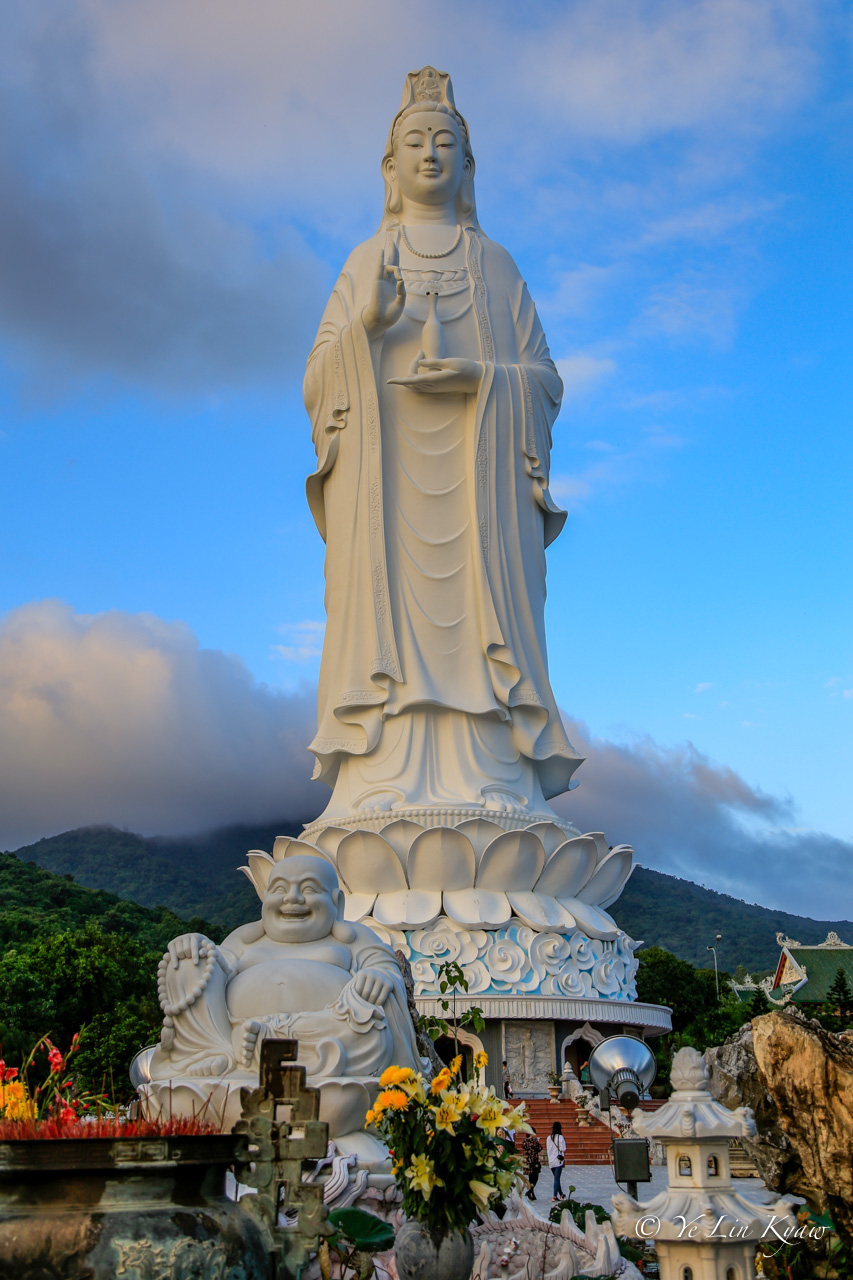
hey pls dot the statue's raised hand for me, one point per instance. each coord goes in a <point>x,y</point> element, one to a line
<point>372,986</point>
<point>388,298</point>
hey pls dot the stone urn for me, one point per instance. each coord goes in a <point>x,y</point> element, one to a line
<point>424,1254</point>
<point>140,1208</point>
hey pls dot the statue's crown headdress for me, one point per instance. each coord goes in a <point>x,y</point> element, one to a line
<point>427,85</point>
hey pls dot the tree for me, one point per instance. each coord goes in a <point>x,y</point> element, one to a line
<point>664,979</point>
<point>103,985</point>
<point>836,1010</point>
<point>839,997</point>
<point>759,1005</point>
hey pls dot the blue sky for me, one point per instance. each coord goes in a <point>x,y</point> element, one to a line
<point>180,181</point>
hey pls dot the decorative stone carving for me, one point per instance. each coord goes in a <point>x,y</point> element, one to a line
<point>175,1260</point>
<point>701,1224</point>
<point>833,941</point>
<point>529,1053</point>
<point>408,875</point>
<point>520,1246</point>
<point>518,960</point>
<point>300,972</point>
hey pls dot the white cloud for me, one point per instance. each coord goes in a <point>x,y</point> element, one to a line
<point>616,468</point>
<point>692,308</point>
<point>305,641</point>
<point>121,718</point>
<point>583,371</point>
<point>174,174</point>
<point>703,686</point>
<point>629,69</point>
<point>238,91</point>
<point>708,221</point>
<point>694,818</point>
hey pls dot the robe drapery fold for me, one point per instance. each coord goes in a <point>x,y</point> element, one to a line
<point>508,444</point>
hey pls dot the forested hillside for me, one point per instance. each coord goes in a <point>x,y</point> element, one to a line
<point>78,959</point>
<point>684,918</point>
<point>197,876</point>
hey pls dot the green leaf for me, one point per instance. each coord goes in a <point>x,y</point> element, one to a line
<point>367,1232</point>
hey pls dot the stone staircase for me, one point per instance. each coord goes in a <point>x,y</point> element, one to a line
<point>584,1145</point>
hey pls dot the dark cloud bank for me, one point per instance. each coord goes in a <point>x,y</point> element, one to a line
<point>122,718</point>
<point>111,267</point>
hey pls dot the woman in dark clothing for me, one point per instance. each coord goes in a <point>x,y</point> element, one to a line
<point>531,1150</point>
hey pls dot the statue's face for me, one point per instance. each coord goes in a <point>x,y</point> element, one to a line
<point>301,901</point>
<point>429,160</point>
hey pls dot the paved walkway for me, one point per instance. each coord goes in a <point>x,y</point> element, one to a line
<point>592,1183</point>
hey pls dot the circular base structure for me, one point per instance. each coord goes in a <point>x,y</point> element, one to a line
<point>619,1015</point>
<point>430,816</point>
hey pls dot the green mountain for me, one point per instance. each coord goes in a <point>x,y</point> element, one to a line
<point>194,875</point>
<point>197,876</point>
<point>684,918</point>
<point>36,903</point>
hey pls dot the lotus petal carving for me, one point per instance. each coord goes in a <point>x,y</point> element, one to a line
<point>608,880</point>
<point>514,860</point>
<point>476,874</point>
<point>569,868</point>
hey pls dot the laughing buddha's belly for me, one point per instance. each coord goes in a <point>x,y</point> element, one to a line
<point>292,986</point>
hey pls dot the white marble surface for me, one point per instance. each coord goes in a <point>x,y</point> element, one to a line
<point>432,396</point>
<point>300,972</point>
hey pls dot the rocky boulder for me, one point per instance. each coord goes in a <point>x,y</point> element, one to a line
<point>798,1079</point>
<point>735,1082</point>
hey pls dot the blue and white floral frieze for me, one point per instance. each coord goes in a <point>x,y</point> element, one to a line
<point>519,961</point>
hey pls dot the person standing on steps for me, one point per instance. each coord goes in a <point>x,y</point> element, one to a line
<point>555,1148</point>
<point>507,1079</point>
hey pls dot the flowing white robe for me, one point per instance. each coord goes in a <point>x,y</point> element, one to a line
<point>436,513</point>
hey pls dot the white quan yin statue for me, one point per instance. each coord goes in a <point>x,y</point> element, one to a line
<point>432,395</point>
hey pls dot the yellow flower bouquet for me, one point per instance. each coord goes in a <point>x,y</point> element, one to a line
<point>451,1143</point>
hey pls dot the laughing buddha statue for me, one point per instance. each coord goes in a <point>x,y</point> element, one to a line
<point>300,972</point>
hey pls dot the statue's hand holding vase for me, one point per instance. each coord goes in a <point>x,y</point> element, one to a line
<point>449,376</point>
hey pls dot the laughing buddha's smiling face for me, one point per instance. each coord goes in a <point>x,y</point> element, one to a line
<point>301,901</point>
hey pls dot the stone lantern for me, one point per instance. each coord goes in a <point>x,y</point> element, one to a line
<point>702,1226</point>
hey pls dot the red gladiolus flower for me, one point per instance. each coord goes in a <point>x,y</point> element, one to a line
<point>67,1112</point>
<point>54,1057</point>
<point>2,1070</point>
<point>11,1074</point>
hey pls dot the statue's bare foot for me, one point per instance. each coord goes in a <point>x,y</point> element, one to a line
<point>252,1032</point>
<point>502,801</point>
<point>216,1066</point>
<point>379,801</point>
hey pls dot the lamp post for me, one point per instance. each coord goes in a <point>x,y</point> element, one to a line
<point>625,1066</point>
<point>713,948</point>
